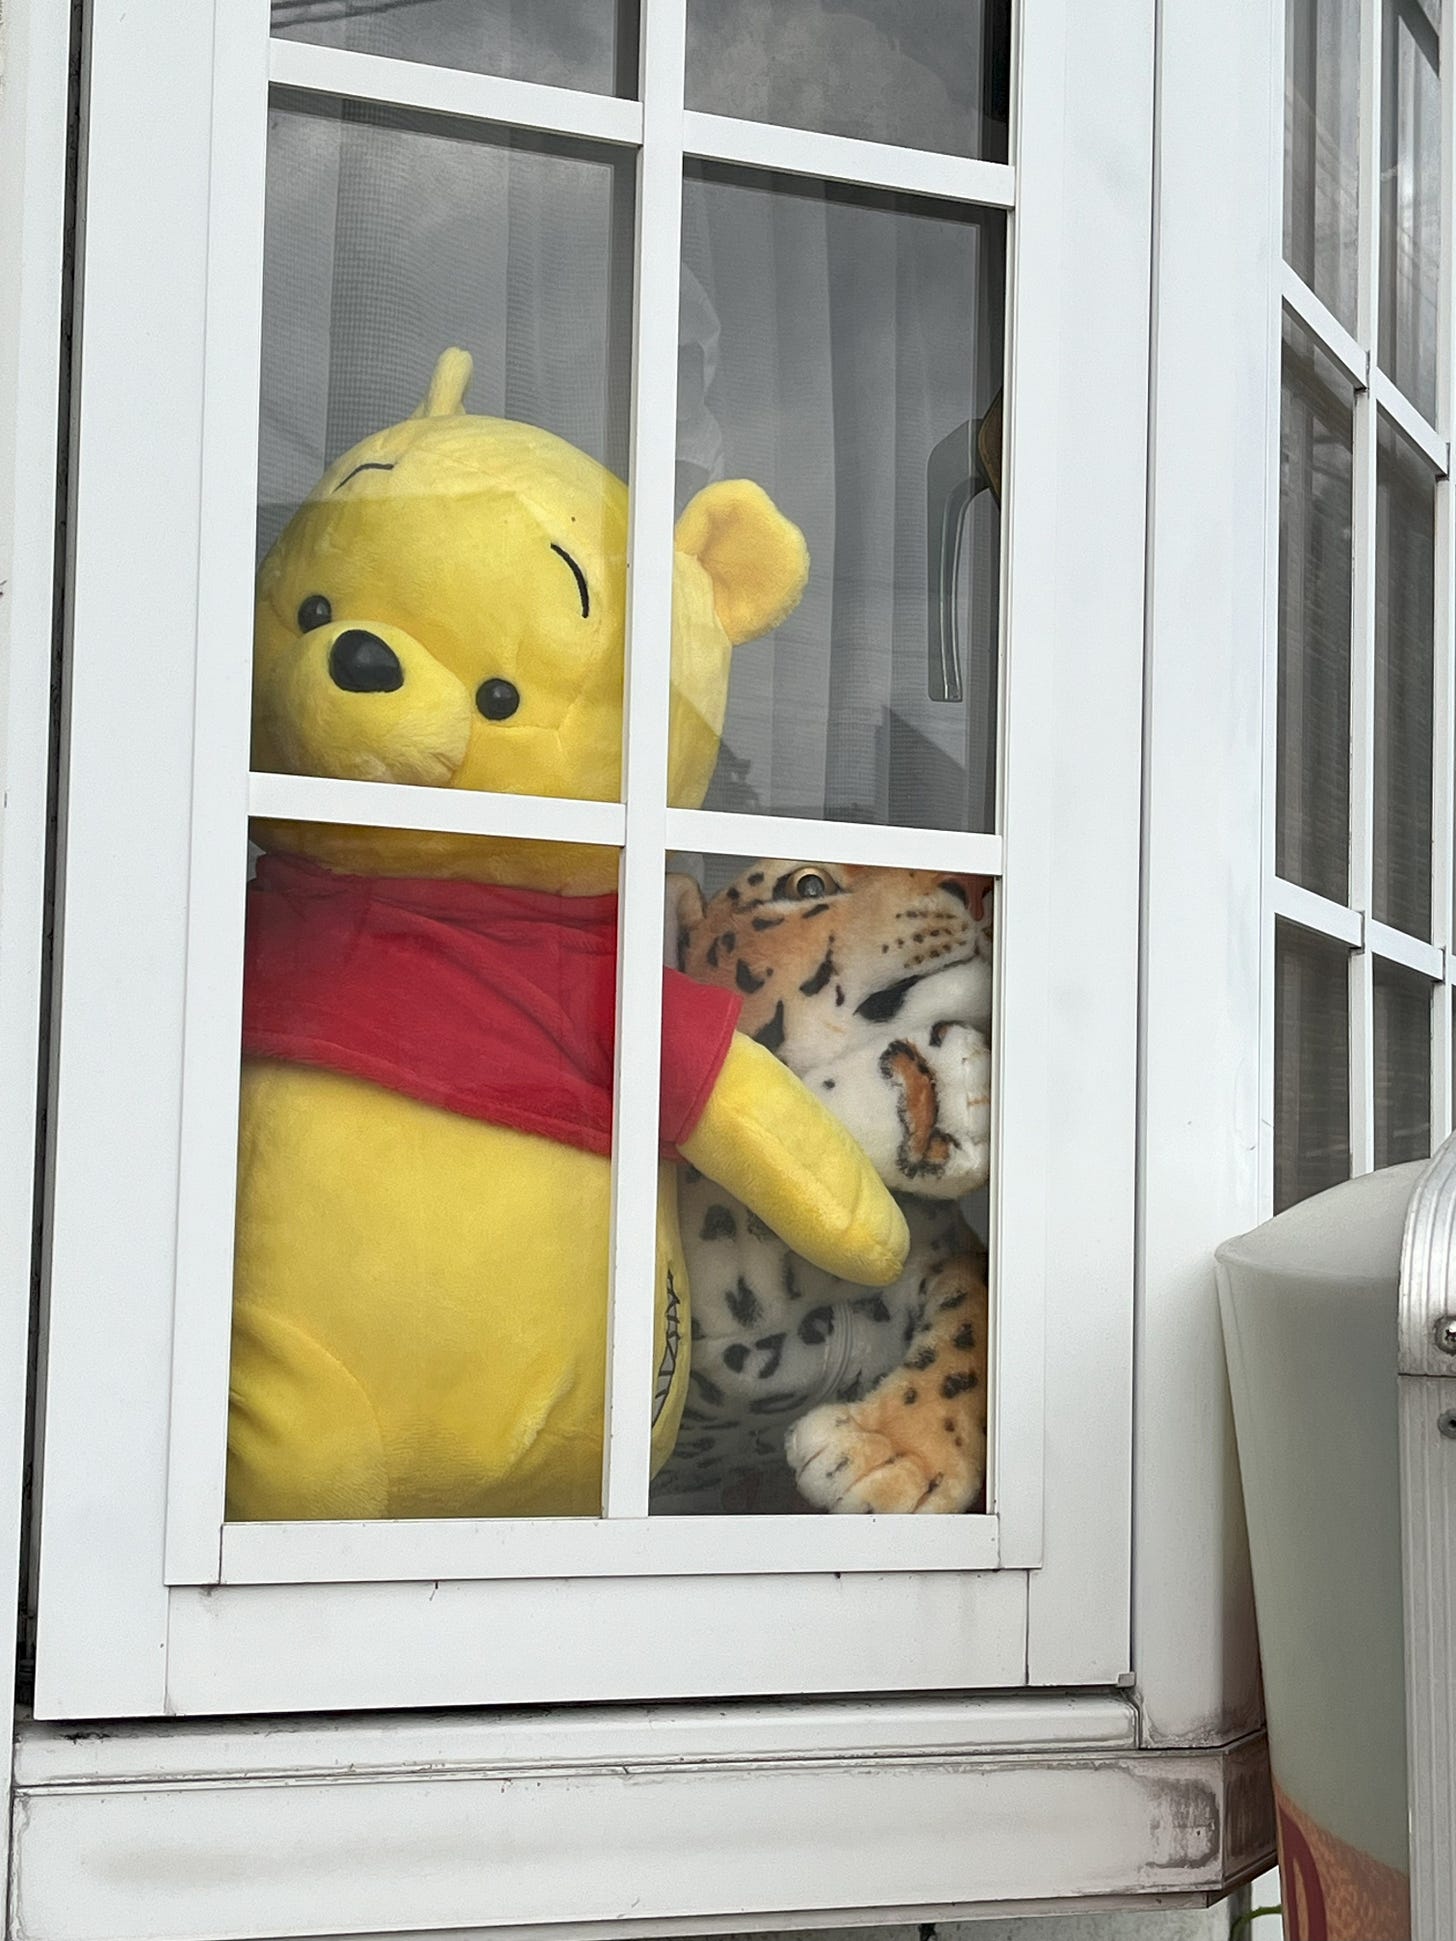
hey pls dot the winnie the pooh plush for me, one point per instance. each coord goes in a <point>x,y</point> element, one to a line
<point>423,1197</point>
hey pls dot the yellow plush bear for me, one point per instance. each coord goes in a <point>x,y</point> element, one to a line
<point>419,1319</point>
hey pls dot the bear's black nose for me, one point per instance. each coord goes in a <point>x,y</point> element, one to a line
<point>361,663</point>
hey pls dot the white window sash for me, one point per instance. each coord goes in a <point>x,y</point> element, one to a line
<point>141,1280</point>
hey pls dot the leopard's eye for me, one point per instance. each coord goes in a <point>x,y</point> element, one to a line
<point>806,885</point>
<point>313,612</point>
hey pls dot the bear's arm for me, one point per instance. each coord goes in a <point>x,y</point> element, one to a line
<point>769,1141</point>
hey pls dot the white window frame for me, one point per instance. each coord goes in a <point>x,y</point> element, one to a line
<point>148,1604</point>
<point>34,124</point>
<point>1205,1050</point>
<point>1379,400</point>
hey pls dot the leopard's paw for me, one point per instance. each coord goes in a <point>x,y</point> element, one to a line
<point>843,1464</point>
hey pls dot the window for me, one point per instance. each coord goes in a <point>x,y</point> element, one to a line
<point>668,269</point>
<point>1363,767</point>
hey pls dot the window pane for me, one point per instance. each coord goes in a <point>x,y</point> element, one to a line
<point>1311,1064</point>
<point>843,348</point>
<point>588,44</point>
<point>1322,147</point>
<point>919,73</point>
<point>524,260</point>
<point>1316,469</point>
<point>424,1186</point>
<point>809,1391</point>
<point>1402,1065</point>
<point>1410,201</point>
<point>1405,608</point>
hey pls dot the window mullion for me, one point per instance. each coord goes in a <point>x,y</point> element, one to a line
<point>1362,606</point>
<point>626,1449</point>
<point>1443,806</point>
<point>1362,1062</point>
<point>1362,782</point>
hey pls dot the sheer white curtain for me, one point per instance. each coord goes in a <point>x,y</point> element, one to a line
<point>390,238</point>
<point>919,73</point>
<point>830,340</point>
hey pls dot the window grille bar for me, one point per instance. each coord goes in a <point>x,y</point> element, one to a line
<point>400,805</point>
<point>1396,947</point>
<point>1325,327</point>
<point>712,833</point>
<point>1318,913</point>
<point>842,158</point>
<point>1397,407</point>
<point>633,1247</point>
<point>347,75</point>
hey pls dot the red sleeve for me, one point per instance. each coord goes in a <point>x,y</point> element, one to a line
<point>698,1022</point>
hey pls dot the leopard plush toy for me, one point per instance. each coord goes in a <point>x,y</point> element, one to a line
<point>874,986</point>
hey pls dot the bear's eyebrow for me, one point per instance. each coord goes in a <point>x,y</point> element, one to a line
<point>369,465</point>
<point>580,579</point>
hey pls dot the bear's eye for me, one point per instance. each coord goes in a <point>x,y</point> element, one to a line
<point>497,700</point>
<point>805,885</point>
<point>313,612</point>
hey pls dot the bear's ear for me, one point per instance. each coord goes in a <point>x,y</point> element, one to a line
<point>754,556</point>
<point>682,913</point>
<point>448,385</point>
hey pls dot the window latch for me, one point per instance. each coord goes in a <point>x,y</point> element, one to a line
<point>967,461</point>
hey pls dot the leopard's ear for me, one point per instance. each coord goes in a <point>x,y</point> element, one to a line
<point>682,912</point>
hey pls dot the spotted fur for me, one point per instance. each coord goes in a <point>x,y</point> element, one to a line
<point>874,986</point>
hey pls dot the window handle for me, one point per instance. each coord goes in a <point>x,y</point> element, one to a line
<point>965,462</point>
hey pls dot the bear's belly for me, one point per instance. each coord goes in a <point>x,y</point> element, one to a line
<point>420,1310</point>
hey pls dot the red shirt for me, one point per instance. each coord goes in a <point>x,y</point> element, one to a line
<point>495,1003</point>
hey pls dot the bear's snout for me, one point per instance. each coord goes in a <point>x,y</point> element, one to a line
<point>361,663</point>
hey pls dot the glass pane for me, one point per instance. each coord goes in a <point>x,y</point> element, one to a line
<point>588,44</point>
<point>1410,200</point>
<point>811,1391</point>
<point>843,349</point>
<point>378,586</point>
<point>1322,147</point>
<point>919,73</point>
<point>1311,1064</point>
<point>1402,1065</point>
<point>424,1184</point>
<point>1405,623</point>
<point>1315,473</point>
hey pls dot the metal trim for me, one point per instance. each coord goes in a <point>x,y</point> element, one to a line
<point>1428,1540</point>
<point>1427,1293</point>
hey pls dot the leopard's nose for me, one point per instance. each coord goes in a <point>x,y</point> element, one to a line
<point>361,663</point>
